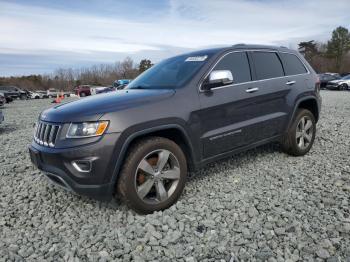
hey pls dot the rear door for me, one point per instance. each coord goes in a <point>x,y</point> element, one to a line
<point>273,88</point>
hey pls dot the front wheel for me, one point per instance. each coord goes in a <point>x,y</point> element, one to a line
<point>301,134</point>
<point>153,175</point>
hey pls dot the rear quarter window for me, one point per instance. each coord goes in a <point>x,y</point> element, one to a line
<point>267,65</point>
<point>292,65</point>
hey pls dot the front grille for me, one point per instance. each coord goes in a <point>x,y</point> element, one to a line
<point>46,134</point>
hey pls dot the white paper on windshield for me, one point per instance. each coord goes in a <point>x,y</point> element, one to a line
<point>196,58</point>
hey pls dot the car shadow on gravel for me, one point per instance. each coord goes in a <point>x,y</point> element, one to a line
<point>234,161</point>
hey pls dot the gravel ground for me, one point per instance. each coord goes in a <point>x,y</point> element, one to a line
<point>258,205</point>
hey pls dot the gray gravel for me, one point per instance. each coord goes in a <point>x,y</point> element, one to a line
<point>258,205</point>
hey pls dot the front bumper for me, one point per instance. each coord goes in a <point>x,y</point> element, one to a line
<point>59,165</point>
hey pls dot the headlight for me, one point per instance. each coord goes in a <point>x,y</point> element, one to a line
<point>87,129</point>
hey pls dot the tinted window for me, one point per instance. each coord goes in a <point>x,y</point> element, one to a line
<point>267,65</point>
<point>293,65</point>
<point>238,64</point>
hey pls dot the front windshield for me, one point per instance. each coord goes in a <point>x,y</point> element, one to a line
<point>170,73</point>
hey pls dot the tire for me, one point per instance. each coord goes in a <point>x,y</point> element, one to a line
<point>82,94</point>
<point>343,87</point>
<point>291,144</point>
<point>133,178</point>
<point>23,97</point>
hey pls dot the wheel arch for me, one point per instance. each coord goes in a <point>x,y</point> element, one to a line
<point>310,103</point>
<point>174,132</point>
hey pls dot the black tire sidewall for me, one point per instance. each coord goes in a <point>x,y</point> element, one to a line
<point>292,133</point>
<point>129,172</point>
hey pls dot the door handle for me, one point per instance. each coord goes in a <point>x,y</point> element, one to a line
<point>252,90</point>
<point>290,83</point>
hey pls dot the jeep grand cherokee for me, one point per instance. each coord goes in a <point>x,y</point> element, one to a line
<point>180,114</point>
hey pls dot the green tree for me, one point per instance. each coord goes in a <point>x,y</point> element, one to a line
<point>144,65</point>
<point>338,46</point>
<point>308,49</point>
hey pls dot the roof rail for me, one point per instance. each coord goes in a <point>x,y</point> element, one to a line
<point>240,44</point>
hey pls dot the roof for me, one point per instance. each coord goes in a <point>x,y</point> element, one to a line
<point>240,46</point>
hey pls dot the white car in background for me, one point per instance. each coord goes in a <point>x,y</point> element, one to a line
<point>35,95</point>
<point>339,84</point>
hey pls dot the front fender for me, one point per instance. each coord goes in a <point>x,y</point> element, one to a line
<point>130,134</point>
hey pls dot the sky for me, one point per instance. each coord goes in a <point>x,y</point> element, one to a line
<point>39,36</point>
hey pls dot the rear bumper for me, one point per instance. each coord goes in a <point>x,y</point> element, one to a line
<point>59,166</point>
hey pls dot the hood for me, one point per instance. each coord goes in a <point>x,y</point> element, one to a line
<point>93,107</point>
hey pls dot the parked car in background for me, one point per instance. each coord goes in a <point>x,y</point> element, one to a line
<point>52,92</point>
<point>339,84</point>
<point>101,89</point>
<point>35,95</point>
<point>8,97</point>
<point>2,118</point>
<point>42,93</point>
<point>326,77</point>
<point>182,113</point>
<point>2,99</point>
<point>14,92</point>
<point>121,83</point>
<point>83,90</point>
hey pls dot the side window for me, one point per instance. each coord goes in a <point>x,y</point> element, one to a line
<point>267,65</point>
<point>292,64</point>
<point>238,64</point>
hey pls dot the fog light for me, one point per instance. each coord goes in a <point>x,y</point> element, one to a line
<point>82,165</point>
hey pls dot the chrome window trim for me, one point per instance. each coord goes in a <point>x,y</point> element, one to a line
<point>252,81</point>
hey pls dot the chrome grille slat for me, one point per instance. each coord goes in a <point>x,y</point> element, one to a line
<point>46,138</point>
<point>46,134</point>
<point>38,131</point>
<point>42,134</point>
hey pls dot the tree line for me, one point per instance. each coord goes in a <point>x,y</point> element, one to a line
<point>67,79</point>
<point>332,56</point>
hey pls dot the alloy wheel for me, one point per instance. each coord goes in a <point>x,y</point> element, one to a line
<point>157,176</point>
<point>304,132</point>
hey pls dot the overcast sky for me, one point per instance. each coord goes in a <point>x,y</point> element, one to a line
<point>37,36</point>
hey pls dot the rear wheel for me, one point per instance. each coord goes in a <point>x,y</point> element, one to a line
<point>301,135</point>
<point>344,87</point>
<point>153,175</point>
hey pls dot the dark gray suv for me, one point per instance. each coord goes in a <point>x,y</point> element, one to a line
<point>179,115</point>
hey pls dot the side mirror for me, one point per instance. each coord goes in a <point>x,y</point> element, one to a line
<point>218,78</point>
